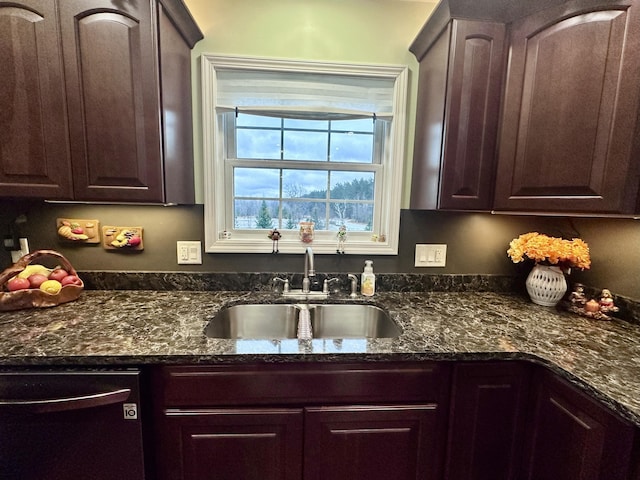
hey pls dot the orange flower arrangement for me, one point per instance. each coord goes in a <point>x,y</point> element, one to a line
<point>550,250</point>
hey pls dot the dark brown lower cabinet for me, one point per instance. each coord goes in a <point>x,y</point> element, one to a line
<point>309,421</point>
<point>233,444</point>
<point>372,443</point>
<point>573,437</point>
<point>486,421</point>
<point>493,420</point>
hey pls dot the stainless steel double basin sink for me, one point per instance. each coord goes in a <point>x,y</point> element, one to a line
<point>279,321</point>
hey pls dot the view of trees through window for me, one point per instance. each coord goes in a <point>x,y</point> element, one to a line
<point>286,171</point>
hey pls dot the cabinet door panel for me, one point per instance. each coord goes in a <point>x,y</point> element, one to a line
<point>113,100</point>
<point>373,443</point>
<point>570,112</point>
<point>34,149</point>
<point>472,110</point>
<point>228,444</point>
<point>487,420</point>
<point>573,437</point>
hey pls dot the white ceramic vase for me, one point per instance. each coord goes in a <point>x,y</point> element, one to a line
<point>546,285</point>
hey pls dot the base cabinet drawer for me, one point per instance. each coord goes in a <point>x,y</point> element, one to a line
<point>303,383</point>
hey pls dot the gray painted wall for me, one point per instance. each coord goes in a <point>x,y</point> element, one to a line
<point>477,243</point>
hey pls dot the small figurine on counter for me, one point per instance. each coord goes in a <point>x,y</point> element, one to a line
<point>275,236</point>
<point>606,302</point>
<point>342,237</point>
<point>577,297</point>
<point>591,308</point>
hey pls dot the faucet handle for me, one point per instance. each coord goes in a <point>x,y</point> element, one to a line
<point>327,282</point>
<point>285,284</point>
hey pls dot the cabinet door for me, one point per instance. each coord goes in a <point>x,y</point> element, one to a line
<point>573,437</point>
<point>231,444</point>
<point>373,443</point>
<point>460,75</point>
<point>34,150</point>
<point>113,96</point>
<point>487,415</point>
<point>571,110</point>
<point>471,115</point>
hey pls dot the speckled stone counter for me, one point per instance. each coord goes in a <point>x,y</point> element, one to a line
<point>138,327</point>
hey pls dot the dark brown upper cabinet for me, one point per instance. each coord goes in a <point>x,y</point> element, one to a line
<point>457,112</point>
<point>35,157</point>
<point>571,110</point>
<point>98,100</point>
<point>547,122</point>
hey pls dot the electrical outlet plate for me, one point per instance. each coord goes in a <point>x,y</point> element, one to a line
<point>431,255</point>
<point>24,249</point>
<point>189,253</point>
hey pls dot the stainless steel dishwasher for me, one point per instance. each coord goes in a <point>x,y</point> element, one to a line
<point>70,425</point>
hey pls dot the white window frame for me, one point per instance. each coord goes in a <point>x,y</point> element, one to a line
<point>217,193</point>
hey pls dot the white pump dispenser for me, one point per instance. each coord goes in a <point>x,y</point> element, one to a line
<point>368,280</point>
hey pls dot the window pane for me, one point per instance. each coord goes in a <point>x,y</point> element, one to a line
<point>254,143</point>
<point>294,212</point>
<point>305,145</point>
<point>245,120</point>
<point>351,147</point>
<point>304,183</point>
<point>352,185</point>
<point>357,217</point>
<point>256,182</point>
<point>253,214</point>
<point>361,125</point>
<point>306,124</point>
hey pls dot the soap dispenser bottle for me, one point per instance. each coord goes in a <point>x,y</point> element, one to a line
<point>368,280</point>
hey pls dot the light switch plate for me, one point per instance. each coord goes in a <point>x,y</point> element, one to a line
<point>431,255</point>
<point>189,253</point>
<point>24,249</point>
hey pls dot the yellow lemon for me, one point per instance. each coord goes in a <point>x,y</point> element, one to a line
<point>51,286</point>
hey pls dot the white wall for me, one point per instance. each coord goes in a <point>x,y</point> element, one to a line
<point>359,31</point>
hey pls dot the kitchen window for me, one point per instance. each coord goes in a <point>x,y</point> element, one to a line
<point>289,142</point>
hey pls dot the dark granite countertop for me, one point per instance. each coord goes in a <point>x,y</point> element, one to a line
<point>137,327</point>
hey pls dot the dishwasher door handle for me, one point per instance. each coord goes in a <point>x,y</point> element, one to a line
<point>61,404</point>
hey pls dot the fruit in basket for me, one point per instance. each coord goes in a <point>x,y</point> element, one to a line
<point>34,268</point>
<point>51,286</point>
<point>18,283</point>
<point>58,274</point>
<point>36,280</point>
<point>71,280</point>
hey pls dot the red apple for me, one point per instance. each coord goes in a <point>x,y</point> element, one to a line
<point>37,279</point>
<point>17,283</point>
<point>71,280</point>
<point>58,274</point>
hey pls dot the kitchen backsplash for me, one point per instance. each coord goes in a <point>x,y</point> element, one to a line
<point>476,244</point>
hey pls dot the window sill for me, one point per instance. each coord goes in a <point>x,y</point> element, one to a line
<point>322,247</point>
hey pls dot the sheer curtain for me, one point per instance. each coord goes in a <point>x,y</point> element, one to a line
<point>304,95</point>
